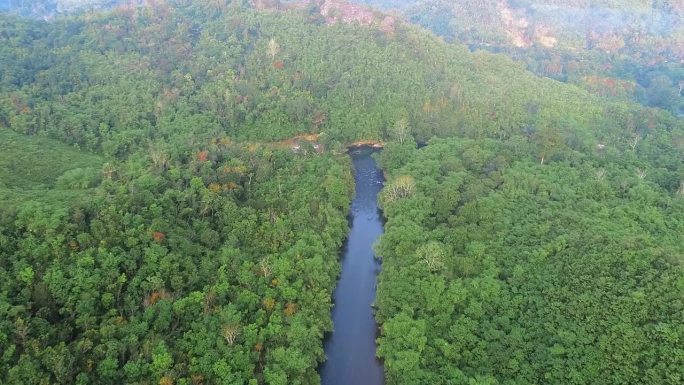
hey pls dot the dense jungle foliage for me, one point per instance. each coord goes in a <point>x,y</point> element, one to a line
<point>157,227</point>
<point>500,270</point>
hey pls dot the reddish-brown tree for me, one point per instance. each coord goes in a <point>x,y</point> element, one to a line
<point>158,236</point>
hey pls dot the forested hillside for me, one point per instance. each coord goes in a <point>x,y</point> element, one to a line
<point>187,243</point>
<point>616,49</point>
<point>627,49</point>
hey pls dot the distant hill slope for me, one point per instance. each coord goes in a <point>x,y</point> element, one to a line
<point>632,49</point>
<point>627,50</point>
<point>52,8</point>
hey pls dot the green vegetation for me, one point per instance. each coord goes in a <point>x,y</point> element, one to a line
<point>39,168</point>
<point>615,49</point>
<point>500,270</point>
<point>269,76</point>
<point>34,162</point>
<point>203,250</point>
<point>200,257</point>
<point>200,273</point>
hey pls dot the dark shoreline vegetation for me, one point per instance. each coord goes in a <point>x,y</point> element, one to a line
<point>536,238</point>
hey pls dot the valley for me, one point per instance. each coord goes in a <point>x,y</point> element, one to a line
<point>176,190</point>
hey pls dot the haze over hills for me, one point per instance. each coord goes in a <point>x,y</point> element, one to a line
<point>614,49</point>
<point>179,189</point>
<point>53,8</point>
<point>632,49</point>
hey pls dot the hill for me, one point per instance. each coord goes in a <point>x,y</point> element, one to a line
<point>627,49</point>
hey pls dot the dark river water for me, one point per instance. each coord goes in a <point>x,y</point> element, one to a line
<point>351,347</point>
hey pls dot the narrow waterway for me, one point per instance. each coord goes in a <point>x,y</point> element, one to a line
<point>350,349</point>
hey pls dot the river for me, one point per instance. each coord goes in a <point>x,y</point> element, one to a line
<point>350,348</point>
